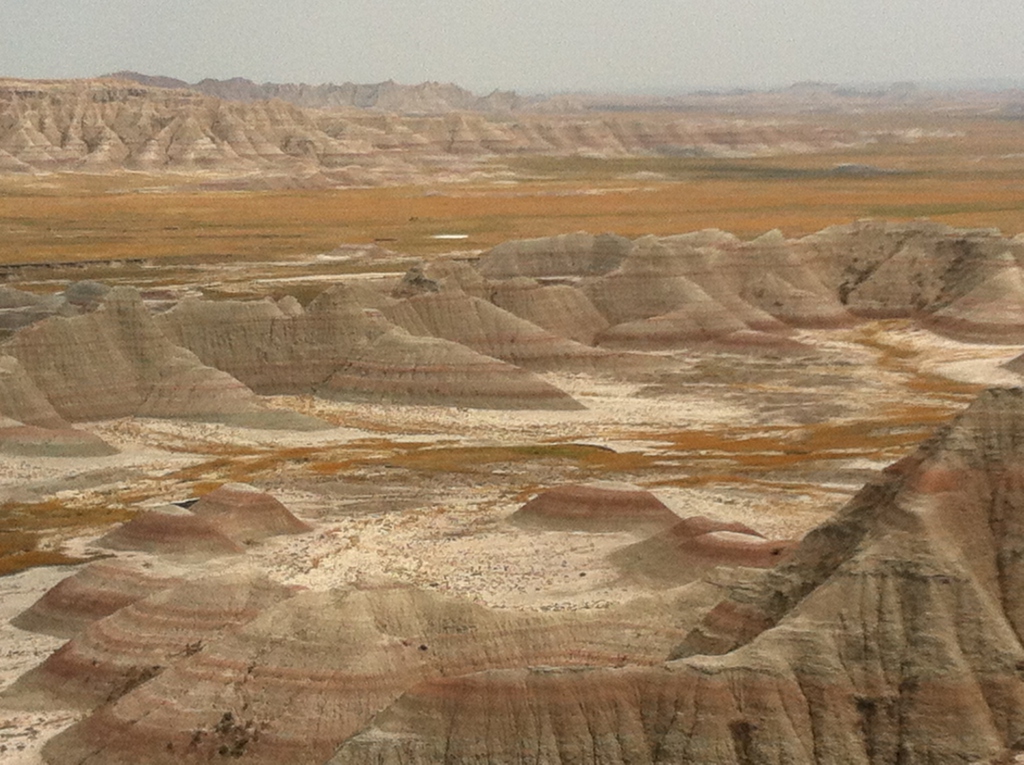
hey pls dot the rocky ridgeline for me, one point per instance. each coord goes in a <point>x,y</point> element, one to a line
<point>455,333</point>
<point>891,633</point>
<point>341,346</point>
<point>108,125</point>
<point>710,287</point>
<point>390,96</point>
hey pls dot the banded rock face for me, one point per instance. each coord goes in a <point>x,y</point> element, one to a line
<point>962,282</point>
<point>494,332</point>
<point>423,98</point>
<point>114,362</point>
<point>893,634</point>
<point>295,682</point>
<point>105,125</point>
<point>98,590</point>
<point>339,348</point>
<point>29,425</point>
<point>709,287</point>
<point>115,654</point>
<point>246,514</point>
<point>560,309</point>
<point>171,533</point>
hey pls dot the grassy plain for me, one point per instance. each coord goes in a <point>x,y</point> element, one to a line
<point>961,170</point>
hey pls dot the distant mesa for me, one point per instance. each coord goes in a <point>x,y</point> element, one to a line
<point>596,507</point>
<point>694,546</point>
<point>245,135</point>
<point>424,98</point>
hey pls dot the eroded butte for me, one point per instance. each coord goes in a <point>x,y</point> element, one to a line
<point>677,499</point>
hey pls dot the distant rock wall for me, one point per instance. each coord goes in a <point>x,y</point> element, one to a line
<point>237,127</point>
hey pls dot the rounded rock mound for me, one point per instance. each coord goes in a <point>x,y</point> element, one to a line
<point>96,591</point>
<point>596,507</point>
<point>245,514</point>
<point>167,533</point>
<point>694,546</point>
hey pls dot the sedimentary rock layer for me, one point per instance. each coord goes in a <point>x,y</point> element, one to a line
<point>893,634</point>
<point>166,533</point>
<point>694,546</point>
<point>112,656</point>
<point>596,507</point>
<point>96,591</point>
<point>107,125</point>
<point>310,671</point>
<point>492,331</point>
<point>114,362</point>
<point>222,522</point>
<point>246,514</point>
<point>29,425</point>
<point>708,286</point>
<point>338,347</point>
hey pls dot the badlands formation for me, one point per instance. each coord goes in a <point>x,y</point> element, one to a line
<point>584,498</point>
<point>350,136</point>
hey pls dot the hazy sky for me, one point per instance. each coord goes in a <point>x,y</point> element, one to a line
<point>529,45</point>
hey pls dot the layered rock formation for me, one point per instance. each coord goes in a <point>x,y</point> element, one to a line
<point>246,514</point>
<point>222,522</point>
<point>114,362</point>
<point>136,643</point>
<point>596,507</point>
<point>893,634</point>
<point>112,124</point>
<point>710,287</point>
<point>337,347</point>
<point>19,308</point>
<point>494,332</point>
<point>311,670</point>
<point>962,282</point>
<point>694,546</point>
<point>558,308</point>
<point>29,425</point>
<point>98,590</point>
<point>171,533</point>
<point>423,98</point>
